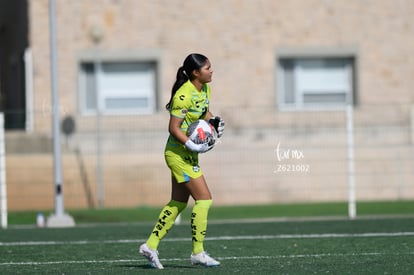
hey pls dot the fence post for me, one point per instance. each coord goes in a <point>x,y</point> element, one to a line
<point>3,189</point>
<point>351,162</point>
<point>59,218</point>
<point>412,124</point>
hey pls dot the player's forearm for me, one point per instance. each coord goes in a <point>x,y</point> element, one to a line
<point>208,116</point>
<point>179,135</point>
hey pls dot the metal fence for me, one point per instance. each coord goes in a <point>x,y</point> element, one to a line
<point>291,157</point>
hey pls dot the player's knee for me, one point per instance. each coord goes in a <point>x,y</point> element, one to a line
<point>178,204</point>
<point>204,203</point>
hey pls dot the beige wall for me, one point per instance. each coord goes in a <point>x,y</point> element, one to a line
<point>243,38</point>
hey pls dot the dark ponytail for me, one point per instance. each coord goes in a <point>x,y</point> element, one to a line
<point>192,62</point>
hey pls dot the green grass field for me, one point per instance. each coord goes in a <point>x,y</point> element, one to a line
<point>258,243</point>
<point>143,214</point>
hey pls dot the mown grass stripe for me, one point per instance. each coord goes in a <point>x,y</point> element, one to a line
<point>269,257</point>
<point>220,238</point>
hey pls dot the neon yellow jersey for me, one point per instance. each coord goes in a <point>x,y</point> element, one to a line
<point>190,104</point>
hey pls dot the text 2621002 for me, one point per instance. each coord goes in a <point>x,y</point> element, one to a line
<point>290,168</point>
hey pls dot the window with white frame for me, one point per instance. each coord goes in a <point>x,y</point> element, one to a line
<point>315,83</point>
<point>118,87</point>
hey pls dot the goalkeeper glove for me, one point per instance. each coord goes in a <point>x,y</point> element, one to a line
<point>218,124</point>
<point>199,148</point>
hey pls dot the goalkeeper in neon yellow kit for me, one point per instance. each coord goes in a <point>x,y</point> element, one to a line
<point>189,102</point>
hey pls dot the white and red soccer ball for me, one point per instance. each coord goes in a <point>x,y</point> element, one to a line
<point>201,132</point>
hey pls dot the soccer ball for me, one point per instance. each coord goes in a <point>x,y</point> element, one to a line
<point>201,131</point>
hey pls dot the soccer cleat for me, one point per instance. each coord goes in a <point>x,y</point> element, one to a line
<point>203,258</point>
<point>151,255</point>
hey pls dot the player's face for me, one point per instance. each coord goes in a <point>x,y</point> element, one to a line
<point>205,73</point>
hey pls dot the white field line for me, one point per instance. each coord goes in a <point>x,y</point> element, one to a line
<point>234,258</point>
<point>222,238</point>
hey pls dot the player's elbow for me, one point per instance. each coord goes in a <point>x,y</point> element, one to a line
<point>172,129</point>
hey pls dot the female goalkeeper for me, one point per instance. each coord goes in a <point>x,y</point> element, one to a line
<point>189,102</point>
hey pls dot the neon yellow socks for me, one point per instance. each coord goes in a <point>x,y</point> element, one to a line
<point>167,218</point>
<point>165,221</point>
<point>199,224</point>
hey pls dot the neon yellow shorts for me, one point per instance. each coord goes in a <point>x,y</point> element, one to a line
<point>182,163</point>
